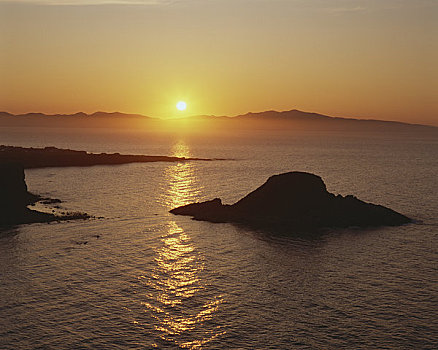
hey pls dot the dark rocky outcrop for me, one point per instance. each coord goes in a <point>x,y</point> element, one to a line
<point>14,199</point>
<point>57,157</point>
<point>295,200</point>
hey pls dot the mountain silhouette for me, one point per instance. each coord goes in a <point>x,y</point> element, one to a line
<point>284,120</point>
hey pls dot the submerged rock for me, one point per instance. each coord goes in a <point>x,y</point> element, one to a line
<point>295,200</point>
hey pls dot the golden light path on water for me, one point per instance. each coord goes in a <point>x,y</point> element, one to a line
<point>179,302</point>
<point>181,183</point>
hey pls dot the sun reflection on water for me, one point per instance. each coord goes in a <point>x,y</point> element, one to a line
<point>181,185</point>
<point>178,297</point>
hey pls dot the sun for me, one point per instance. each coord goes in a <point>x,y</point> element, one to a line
<point>181,105</point>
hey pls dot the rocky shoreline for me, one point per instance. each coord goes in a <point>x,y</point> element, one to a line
<point>15,199</point>
<point>57,157</point>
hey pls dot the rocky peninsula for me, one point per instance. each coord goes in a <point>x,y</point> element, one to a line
<point>295,200</point>
<point>15,199</point>
<point>57,157</point>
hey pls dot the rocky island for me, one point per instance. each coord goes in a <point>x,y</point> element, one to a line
<point>15,198</point>
<point>295,200</point>
<point>57,157</point>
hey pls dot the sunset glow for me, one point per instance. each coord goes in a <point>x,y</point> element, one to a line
<point>218,174</point>
<point>367,59</point>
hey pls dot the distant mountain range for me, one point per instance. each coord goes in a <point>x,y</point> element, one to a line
<point>293,119</point>
<point>328,121</point>
<point>298,115</point>
<point>75,115</point>
<point>80,119</point>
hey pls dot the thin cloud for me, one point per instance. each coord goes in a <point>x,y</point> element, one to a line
<point>356,6</point>
<point>332,6</point>
<point>90,2</point>
<point>340,10</point>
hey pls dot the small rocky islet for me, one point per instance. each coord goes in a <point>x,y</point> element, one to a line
<point>294,200</point>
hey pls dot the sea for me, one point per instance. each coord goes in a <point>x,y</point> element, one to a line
<point>137,277</point>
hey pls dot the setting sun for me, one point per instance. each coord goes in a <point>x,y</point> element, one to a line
<point>186,174</point>
<point>181,105</point>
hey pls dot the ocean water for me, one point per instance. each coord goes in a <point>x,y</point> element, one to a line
<point>137,277</point>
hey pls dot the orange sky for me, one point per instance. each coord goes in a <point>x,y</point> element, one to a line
<point>358,58</point>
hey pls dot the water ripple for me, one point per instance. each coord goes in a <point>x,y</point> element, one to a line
<point>177,299</point>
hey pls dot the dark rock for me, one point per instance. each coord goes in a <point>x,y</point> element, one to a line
<point>14,199</point>
<point>212,210</point>
<point>13,188</point>
<point>50,201</point>
<point>57,157</point>
<point>295,200</point>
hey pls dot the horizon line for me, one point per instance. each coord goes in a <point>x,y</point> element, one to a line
<point>370,119</point>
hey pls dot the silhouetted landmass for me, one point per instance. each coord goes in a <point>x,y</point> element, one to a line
<point>295,200</point>
<point>272,120</point>
<point>80,119</point>
<point>98,114</point>
<point>14,199</point>
<point>56,157</point>
<point>300,120</point>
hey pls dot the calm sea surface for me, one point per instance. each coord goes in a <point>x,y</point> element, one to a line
<point>137,277</point>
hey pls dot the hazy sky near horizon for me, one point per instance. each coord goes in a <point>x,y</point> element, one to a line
<point>359,58</point>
